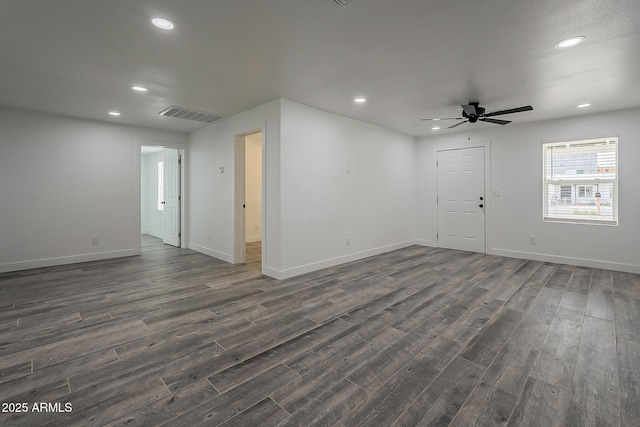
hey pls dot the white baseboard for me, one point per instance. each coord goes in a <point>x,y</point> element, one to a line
<point>314,266</point>
<point>72,259</point>
<point>154,234</point>
<point>582,262</point>
<point>429,243</point>
<point>272,272</point>
<point>211,252</point>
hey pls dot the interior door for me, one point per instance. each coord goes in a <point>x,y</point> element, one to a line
<point>171,210</point>
<point>461,199</point>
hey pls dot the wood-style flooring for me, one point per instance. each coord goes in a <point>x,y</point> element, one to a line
<point>415,337</point>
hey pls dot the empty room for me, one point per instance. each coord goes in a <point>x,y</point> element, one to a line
<point>322,212</point>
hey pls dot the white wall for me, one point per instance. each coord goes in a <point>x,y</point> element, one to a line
<point>311,204</point>
<point>211,193</point>
<point>342,179</point>
<point>65,180</point>
<point>516,172</point>
<point>253,187</point>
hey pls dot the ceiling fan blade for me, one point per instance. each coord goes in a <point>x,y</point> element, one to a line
<point>457,124</point>
<point>469,109</point>
<point>496,121</point>
<point>509,111</point>
<point>446,118</point>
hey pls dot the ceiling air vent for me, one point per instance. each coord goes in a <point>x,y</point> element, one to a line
<point>341,2</point>
<point>185,113</point>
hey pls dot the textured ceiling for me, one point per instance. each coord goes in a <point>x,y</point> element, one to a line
<point>410,58</point>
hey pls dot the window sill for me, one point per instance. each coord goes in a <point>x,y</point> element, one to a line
<point>581,221</point>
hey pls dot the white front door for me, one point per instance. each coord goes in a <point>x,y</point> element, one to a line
<point>171,212</point>
<point>461,199</point>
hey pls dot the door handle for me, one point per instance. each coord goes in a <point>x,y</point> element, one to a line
<point>163,202</point>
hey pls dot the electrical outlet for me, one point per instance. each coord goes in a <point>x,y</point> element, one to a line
<point>209,237</point>
<point>348,242</point>
<point>532,240</point>
<point>95,240</point>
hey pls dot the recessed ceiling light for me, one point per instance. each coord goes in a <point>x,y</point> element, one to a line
<point>114,113</point>
<point>569,42</point>
<point>584,105</point>
<point>163,24</point>
<point>360,100</point>
<point>139,89</point>
<point>435,128</point>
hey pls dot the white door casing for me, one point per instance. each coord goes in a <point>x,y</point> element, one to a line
<point>240,190</point>
<point>461,199</point>
<point>171,212</point>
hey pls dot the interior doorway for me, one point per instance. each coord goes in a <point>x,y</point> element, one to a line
<point>161,196</point>
<point>249,197</point>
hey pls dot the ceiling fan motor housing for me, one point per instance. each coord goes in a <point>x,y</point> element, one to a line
<point>473,112</point>
<point>479,112</point>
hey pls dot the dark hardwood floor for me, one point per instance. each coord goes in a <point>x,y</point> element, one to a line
<point>415,337</point>
<point>254,252</point>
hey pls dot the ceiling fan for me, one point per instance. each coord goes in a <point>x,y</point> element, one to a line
<point>474,112</point>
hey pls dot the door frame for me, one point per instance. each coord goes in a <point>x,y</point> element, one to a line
<point>239,183</point>
<point>488,196</point>
<point>182,151</point>
<point>178,238</point>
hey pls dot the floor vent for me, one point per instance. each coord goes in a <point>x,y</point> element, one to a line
<point>185,113</point>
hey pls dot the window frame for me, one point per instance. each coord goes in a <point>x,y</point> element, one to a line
<point>595,183</point>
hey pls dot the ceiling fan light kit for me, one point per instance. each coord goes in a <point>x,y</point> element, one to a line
<point>473,112</point>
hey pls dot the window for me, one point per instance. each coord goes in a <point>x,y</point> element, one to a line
<point>585,191</point>
<point>581,181</point>
<point>161,185</point>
